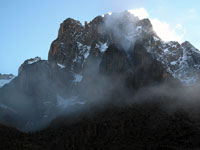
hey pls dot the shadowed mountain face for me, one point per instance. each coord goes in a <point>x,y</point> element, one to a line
<point>112,82</point>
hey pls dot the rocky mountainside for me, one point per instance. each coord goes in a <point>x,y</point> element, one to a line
<point>75,43</point>
<point>108,61</point>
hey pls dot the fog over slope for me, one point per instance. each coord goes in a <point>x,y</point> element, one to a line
<point>114,59</point>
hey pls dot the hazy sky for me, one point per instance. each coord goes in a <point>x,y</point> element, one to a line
<point>27,27</point>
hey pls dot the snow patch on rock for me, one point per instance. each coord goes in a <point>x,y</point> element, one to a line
<point>156,38</point>
<point>61,66</point>
<point>34,60</point>
<point>77,78</point>
<point>102,46</point>
<point>84,50</point>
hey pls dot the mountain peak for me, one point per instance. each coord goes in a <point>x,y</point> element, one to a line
<point>110,57</point>
<point>121,29</point>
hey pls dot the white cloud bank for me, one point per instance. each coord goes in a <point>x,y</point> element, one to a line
<point>140,12</point>
<point>163,29</point>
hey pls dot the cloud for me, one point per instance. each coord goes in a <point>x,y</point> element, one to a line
<point>163,29</point>
<point>140,12</point>
<point>166,32</point>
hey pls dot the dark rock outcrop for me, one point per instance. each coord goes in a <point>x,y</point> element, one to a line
<point>114,61</point>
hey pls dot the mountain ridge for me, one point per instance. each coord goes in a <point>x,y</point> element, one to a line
<point>171,54</point>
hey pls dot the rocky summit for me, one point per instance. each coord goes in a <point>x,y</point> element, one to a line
<point>110,83</point>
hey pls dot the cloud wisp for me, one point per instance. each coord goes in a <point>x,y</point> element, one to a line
<point>163,29</point>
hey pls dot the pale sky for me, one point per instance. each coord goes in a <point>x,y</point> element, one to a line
<point>27,27</point>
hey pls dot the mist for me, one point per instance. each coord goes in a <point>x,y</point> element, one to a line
<point>121,27</point>
<point>100,92</point>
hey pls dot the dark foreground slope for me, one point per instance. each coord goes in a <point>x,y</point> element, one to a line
<point>140,126</point>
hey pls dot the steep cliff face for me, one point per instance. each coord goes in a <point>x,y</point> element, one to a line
<point>137,67</point>
<point>74,43</point>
